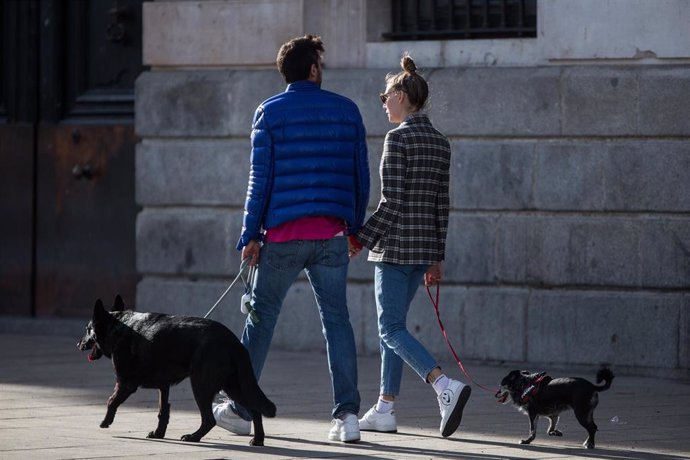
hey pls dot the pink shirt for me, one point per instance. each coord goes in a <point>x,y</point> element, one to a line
<point>306,228</point>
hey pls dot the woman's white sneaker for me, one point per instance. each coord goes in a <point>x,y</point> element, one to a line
<point>383,422</point>
<point>451,402</point>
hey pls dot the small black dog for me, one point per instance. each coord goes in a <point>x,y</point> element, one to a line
<point>539,394</point>
<point>154,350</point>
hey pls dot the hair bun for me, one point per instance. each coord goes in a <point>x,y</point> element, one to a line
<point>407,63</point>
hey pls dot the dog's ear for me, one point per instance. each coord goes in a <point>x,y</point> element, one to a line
<point>119,304</point>
<point>98,309</point>
<point>510,377</point>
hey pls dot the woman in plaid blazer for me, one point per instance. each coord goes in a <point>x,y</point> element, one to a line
<point>406,238</point>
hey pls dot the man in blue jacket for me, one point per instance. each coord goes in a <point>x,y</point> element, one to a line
<point>308,191</point>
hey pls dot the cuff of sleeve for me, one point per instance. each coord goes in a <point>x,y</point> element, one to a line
<point>245,239</point>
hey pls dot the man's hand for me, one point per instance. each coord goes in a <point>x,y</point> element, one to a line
<point>251,251</point>
<point>434,274</point>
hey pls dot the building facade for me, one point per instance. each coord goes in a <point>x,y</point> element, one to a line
<point>570,225</point>
<point>569,239</point>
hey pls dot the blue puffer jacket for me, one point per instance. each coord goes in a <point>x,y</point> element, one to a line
<point>309,158</point>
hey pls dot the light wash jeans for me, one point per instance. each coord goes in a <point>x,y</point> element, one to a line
<point>395,286</point>
<point>325,263</point>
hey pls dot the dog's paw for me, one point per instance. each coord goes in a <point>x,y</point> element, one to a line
<point>190,438</point>
<point>108,419</point>
<point>155,435</point>
<point>255,441</point>
<point>525,441</point>
<point>555,433</point>
<point>589,444</point>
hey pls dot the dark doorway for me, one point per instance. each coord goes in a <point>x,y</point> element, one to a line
<point>67,145</point>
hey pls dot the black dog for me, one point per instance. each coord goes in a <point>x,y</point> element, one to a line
<point>539,394</point>
<point>153,350</point>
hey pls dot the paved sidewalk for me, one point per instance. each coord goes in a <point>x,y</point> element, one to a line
<point>52,401</point>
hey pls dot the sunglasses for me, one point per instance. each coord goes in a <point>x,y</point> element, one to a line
<point>384,96</point>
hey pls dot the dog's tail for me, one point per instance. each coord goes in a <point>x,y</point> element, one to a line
<point>257,399</point>
<point>606,376</point>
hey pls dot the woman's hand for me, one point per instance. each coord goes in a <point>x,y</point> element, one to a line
<point>434,274</point>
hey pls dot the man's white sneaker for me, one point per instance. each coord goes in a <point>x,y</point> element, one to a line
<point>345,429</point>
<point>383,422</point>
<point>226,418</point>
<point>451,402</point>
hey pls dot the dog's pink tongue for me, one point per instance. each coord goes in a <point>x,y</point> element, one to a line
<point>90,358</point>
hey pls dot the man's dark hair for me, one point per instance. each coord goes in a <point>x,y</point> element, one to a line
<point>296,57</point>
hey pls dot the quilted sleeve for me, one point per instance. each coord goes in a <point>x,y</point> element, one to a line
<point>362,179</point>
<point>260,176</point>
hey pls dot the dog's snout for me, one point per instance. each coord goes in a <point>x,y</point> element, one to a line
<point>84,344</point>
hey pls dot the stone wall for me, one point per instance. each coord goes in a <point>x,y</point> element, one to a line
<point>570,225</point>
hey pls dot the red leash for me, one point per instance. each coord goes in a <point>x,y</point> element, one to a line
<point>445,335</point>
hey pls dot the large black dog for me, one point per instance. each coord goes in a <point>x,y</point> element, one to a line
<point>154,350</point>
<point>539,394</point>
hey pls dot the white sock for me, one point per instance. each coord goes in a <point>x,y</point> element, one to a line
<point>440,384</point>
<point>383,406</point>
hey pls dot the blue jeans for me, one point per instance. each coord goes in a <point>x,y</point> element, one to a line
<point>395,286</point>
<point>325,263</point>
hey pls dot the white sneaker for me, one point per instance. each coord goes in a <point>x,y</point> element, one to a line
<point>345,429</point>
<point>226,418</point>
<point>383,422</point>
<point>451,402</point>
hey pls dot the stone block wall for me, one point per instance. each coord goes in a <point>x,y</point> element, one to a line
<point>570,225</point>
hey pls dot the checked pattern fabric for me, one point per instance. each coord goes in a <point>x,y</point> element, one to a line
<point>410,223</point>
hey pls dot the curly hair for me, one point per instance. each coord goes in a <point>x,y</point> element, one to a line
<point>296,56</point>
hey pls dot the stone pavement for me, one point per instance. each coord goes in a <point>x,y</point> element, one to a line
<point>52,401</point>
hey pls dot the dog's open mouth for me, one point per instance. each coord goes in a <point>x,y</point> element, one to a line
<point>95,350</point>
<point>95,353</point>
<point>502,396</point>
<point>89,341</point>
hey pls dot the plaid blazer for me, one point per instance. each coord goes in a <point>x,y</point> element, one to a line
<point>410,223</point>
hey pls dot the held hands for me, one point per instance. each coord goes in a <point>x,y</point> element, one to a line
<point>251,251</point>
<point>434,274</point>
<point>353,245</point>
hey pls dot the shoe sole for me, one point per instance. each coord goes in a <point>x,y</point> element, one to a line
<point>347,441</point>
<point>232,429</point>
<point>378,431</point>
<point>456,416</point>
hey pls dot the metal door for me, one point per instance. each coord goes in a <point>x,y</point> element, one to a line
<point>77,143</point>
